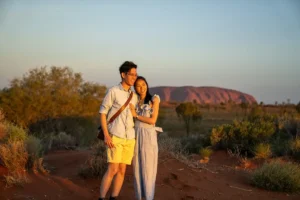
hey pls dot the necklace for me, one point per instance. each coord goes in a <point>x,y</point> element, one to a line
<point>141,102</point>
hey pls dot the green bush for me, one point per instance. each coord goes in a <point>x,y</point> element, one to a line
<point>262,151</point>
<point>277,176</point>
<point>96,164</point>
<point>13,133</point>
<point>205,152</point>
<point>243,134</point>
<point>62,140</point>
<point>35,150</point>
<point>295,148</point>
<point>193,144</point>
<point>83,129</point>
<point>280,143</point>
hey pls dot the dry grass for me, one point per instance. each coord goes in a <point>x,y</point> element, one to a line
<point>14,157</point>
<point>262,151</point>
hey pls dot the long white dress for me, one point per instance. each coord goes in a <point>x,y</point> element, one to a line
<point>145,155</point>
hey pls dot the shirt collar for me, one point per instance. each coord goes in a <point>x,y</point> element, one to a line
<point>122,88</point>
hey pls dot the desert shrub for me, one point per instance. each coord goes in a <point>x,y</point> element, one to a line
<point>295,148</point>
<point>280,147</point>
<point>218,135</point>
<point>193,143</point>
<point>262,151</point>
<point>34,149</point>
<point>96,164</point>
<point>168,144</point>
<point>83,129</point>
<point>280,143</point>
<point>277,176</point>
<point>243,134</point>
<point>13,133</point>
<point>2,126</point>
<point>62,140</point>
<point>205,152</point>
<point>47,141</point>
<point>14,157</point>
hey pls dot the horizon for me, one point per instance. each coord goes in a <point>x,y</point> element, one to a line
<point>247,46</point>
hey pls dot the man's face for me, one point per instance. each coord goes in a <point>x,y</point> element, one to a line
<point>130,77</point>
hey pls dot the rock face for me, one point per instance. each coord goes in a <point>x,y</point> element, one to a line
<point>211,95</point>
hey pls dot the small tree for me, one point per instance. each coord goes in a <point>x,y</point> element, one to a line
<point>244,106</point>
<point>298,107</point>
<point>188,112</point>
<point>43,94</point>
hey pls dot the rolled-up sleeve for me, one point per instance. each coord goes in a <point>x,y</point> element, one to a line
<point>107,102</point>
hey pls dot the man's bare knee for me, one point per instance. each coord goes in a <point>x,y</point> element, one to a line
<point>122,169</point>
<point>112,169</point>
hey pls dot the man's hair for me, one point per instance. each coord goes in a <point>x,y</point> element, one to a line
<point>127,66</point>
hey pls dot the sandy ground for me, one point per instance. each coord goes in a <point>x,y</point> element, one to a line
<point>219,179</point>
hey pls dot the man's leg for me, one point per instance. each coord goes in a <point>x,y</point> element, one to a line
<point>118,180</point>
<point>127,154</point>
<point>111,171</point>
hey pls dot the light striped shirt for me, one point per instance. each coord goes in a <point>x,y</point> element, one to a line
<point>115,98</point>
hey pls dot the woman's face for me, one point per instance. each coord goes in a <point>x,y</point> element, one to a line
<point>141,87</point>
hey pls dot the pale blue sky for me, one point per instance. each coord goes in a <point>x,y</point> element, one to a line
<point>248,45</point>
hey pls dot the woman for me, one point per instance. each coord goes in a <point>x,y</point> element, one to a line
<point>146,149</point>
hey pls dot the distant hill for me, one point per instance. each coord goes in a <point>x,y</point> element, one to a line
<point>211,95</point>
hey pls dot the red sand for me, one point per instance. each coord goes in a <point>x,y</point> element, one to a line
<point>175,181</point>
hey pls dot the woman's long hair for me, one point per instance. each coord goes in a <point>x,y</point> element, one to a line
<point>148,97</point>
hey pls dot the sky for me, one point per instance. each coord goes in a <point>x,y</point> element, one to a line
<point>252,46</point>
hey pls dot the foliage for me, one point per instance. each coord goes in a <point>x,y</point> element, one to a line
<point>188,112</point>
<point>277,176</point>
<point>205,152</point>
<point>43,94</point>
<point>192,144</point>
<point>298,107</point>
<point>96,164</point>
<point>280,143</point>
<point>295,148</point>
<point>82,129</point>
<point>168,144</point>
<point>63,140</point>
<point>262,151</point>
<point>243,134</point>
<point>34,149</point>
<point>14,157</point>
<point>12,133</point>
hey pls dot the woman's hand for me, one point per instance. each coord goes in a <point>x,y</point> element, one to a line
<point>132,109</point>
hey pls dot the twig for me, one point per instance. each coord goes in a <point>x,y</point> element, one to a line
<point>165,160</point>
<point>240,188</point>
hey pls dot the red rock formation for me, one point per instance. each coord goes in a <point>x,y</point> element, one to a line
<point>211,95</point>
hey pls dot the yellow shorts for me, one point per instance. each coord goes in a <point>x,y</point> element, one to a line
<point>122,152</point>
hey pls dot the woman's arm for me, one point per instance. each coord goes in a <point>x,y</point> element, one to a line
<point>149,120</point>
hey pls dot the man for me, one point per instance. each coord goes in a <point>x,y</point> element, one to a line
<point>119,136</point>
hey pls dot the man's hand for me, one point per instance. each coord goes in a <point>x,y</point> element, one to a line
<point>132,109</point>
<point>108,141</point>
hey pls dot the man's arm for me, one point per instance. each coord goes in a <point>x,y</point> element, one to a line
<point>105,107</point>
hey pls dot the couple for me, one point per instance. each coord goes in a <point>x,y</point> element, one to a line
<point>127,141</point>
